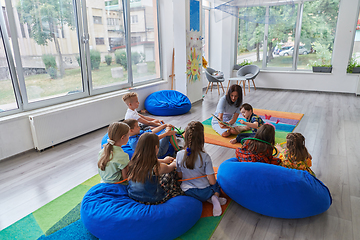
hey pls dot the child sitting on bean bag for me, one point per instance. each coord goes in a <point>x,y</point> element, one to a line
<point>151,181</point>
<point>113,161</point>
<point>295,155</point>
<point>259,149</point>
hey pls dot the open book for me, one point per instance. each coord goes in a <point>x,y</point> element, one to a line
<point>220,121</point>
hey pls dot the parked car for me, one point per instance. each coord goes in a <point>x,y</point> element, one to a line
<point>278,50</point>
<point>290,51</point>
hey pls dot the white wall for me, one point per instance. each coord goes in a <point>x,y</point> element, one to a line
<point>222,45</point>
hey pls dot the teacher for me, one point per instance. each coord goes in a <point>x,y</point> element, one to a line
<point>228,110</point>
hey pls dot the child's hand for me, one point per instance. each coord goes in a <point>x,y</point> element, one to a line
<point>223,125</point>
<point>169,125</point>
<point>278,147</point>
<point>168,159</point>
<point>155,123</point>
<point>242,121</point>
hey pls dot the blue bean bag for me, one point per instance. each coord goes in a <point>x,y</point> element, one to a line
<point>273,191</point>
<point>167,103</point>
<point>108,213</point>
<point>127,149</point>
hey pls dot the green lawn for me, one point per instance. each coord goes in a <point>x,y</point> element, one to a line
<point>42,86</point>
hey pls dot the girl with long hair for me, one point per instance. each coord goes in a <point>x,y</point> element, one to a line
<point>113,161</point>
<point>295,155</point>
<point>192,163</point>
<point>260,148</point>
<point>151,181</point>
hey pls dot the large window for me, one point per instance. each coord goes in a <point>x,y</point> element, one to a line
<point>297,35</point>
<point>355,57</point>
<point>251,35</point>
<point>64,50</point>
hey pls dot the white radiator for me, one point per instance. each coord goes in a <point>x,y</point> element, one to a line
<point>58,125</point>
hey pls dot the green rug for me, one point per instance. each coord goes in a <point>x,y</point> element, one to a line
<point>60,219</point>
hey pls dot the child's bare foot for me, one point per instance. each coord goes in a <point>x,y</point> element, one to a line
<point>233,141</point>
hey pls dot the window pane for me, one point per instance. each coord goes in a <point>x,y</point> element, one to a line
<point>318,32</point>
<point>251,35</point>
<point>281,38</point>
<point>144,41</point>
<point>7,94</point>
<point>107,44</point>
<point>49,51</point>
<point>356,46</point>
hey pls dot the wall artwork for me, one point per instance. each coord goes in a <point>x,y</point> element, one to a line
<point>194,44</point>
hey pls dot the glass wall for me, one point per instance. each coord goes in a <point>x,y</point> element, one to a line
<point>313,44</point>
<point>145,60</point>
<point>251,35</point>
<point>48,48</point>
<point>7,91</point>
<point>355,56</point>
<point>281,36</point>
<point>107,44</point>
<point>70,49</point>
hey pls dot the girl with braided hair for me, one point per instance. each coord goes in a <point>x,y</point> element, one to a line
<point>193,163</point>
<point>113,161</point>
<point>295,155</point>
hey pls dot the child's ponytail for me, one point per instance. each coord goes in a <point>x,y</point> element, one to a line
<point>115,132</point>
<point>295,143</point>
<point>194,143</point>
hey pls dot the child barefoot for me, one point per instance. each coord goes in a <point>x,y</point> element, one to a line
<point>253,122</point>
<point>113,161</point>
<point>295,155</point>
<point>131,100</point>
<point>194,162</point>
<point>149,181</point>
<point>165,137</point>
<point>260,150</point>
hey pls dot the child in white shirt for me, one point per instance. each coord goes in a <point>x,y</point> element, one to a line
<point>131,100</point>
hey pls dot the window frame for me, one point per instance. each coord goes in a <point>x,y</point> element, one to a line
<point>81,27</point>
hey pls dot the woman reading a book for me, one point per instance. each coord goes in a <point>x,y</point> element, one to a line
<point>227,112</point>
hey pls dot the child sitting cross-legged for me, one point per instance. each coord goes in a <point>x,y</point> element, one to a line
<point>253,122</point>
<point>132,102</point>
<point>295,155</point>
<point>113,161</point>
<point>151,181</point>
<point>193,163</point>
<point>165,137</point>
<point>259,149</point>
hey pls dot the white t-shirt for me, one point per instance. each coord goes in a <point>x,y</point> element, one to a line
<point>132,114</point>
<point>206,168</point>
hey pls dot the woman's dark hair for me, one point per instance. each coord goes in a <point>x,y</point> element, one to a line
<point>267,133</point>
<point>144,159</point>
<point>194,143</point>
<point>234,88</point>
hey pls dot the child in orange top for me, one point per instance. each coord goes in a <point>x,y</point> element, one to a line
<point>295,155</point>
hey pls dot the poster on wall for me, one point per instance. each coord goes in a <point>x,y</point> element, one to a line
<point>194,44</point>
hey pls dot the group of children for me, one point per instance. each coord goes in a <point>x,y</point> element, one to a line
<point>152,180</point>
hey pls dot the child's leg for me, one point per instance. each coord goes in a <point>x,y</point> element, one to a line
<point>174,142</point>
<point>241,129</point>
<point>163,146</point>
<point>241,136</point>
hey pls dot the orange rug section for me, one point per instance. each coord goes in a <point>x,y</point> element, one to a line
<point>279,119</point>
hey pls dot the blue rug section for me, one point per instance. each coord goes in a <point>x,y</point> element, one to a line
<point>68,219</point>
<point>278,126</point>
<point>26,228</point>
<point>75,231</point>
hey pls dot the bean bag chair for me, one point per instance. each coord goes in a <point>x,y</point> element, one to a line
<point>167,103</point>
<point>127,149</point>
<point>108,213</point>
<point>273,191</point>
